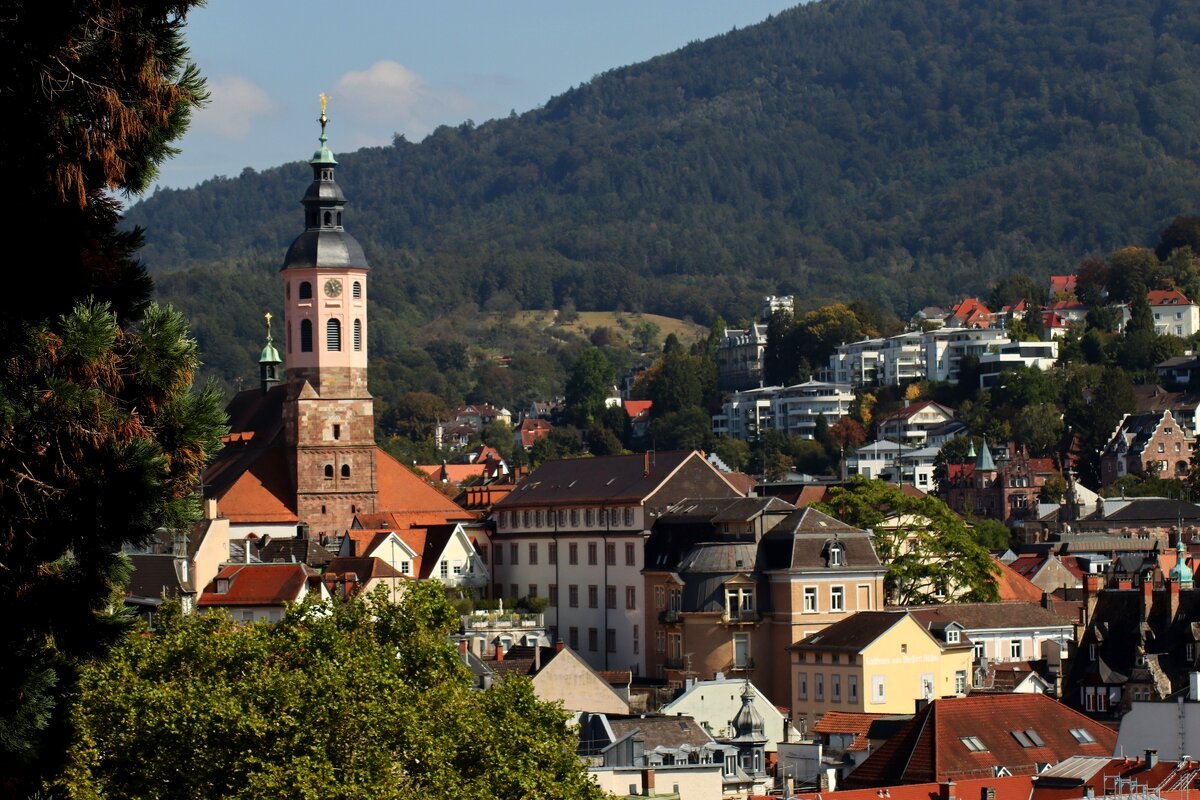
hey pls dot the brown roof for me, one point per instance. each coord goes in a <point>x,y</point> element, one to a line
<point>853,633</point>
<point>1013,585</point>
<point>258,585</point>
<point>931,747</point>
<point>803,539</point>
<point>846,722</point>
<point>657,730</point>
<point>973,616</point>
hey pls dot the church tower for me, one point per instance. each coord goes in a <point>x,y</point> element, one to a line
<point>329,420</point>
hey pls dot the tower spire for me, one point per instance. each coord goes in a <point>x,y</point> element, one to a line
<point>268,361</point>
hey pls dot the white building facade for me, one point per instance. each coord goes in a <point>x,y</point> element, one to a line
<point>787,409</point>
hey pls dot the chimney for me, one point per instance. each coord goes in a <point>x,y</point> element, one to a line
<point>246,550</point>
<point>946,790</point>
<point>559,645</point>
<point>462,648</point>
<point>210,508</point>
<point>499,651</point>
<point>1151,758</point>
<point>646,464</point>
<point>537,658</point>
<point>1173,598</point>
<point>1147,597</point>
<point>647,782</point>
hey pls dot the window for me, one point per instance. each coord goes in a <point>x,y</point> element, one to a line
<point>960,681</point>
<point>952,635</point>
<point>562,518</point>
<point>835,555</point>
<point>835,688</point>
<point>636,640</point>
<point>610,640</point>
<point>444,569</point>
<point>1082,735</point>
<point>819,686</point>
<point>973,744</point>
<point>499,555</point>
<point>610,554</point>
<point>660,641</point>
<point>356,290</point>
<point>572,553</point>
<point>333,335</point>
<point>741,651</point>
<point>513,591</point>
<point>630,597</point>
<point>660,595</point>
<point>514,553</point>
<point>837,598</point>
<point>305,292</point>
<point>533,553</point>
<point>574,517</point>
<point>676,599</point>
<point>404,567</point>
<point>573,596</point>
<point>978,650</point>
<point>852,688</point>
<point>610,596</point>
<point>802,685</point>
<point>552,553</point>
<point>329,471</point>
<point>593,596</point>
<point>345,470</point>
<point>358,335</point>
<point>1016,650</point>
<point>810,599</point>
<point>526,517</point>
<point>593,639</point>
<point>903,648</point>
<point>337,431</point>
<point>590,518</point>
<point>573,637</point>
<point>306,336</point>
<point>592,554</point>
<point>630,555</point>
<point>553,592</point>
<point>532,590</point>
<point>878,693</point>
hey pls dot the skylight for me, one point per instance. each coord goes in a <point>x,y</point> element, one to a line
<point>1033,737</point>
<point>1082,735</point>
<point>973,744</point>
<point>1022,739</point>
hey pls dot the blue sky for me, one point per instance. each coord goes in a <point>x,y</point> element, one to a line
<point>403,67</point>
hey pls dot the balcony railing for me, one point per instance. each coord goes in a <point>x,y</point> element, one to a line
<point>740,616</point>
<point>670,617</point>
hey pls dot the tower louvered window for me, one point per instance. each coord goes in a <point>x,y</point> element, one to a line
<point>356,290</point>
<point>305,336</point>
<point>333,335</point>
<point>357,333</point>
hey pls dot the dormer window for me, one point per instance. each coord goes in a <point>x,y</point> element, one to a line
<point>222,585</point>
<point>837,556</point>
<point>952,635</point>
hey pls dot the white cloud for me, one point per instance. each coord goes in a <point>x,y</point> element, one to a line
<point>388,95</point>
<point>233,104</point>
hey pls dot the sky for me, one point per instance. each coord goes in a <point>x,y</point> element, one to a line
<point>397,66</point>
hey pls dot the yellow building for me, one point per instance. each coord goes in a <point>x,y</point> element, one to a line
<point>881,662</point>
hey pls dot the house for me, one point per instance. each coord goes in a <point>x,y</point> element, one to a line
<point>911,424</point>
<point>1006,489</point>
<point>819,572</point>
<point>574,532</point>
<point>946,348</point>
<point>531,430</point>
<point>1020,677</point>
<point>956,738</point>
<point>559,675</point>
<point>638,412</point>
<point>1001,632</point>
<point>159,576</point>
<point>715,705</point>
<point>346,577</point>
<point>709,600</point>
<point>880,662</point>
<point>1139,642</point>
<point>252,592</point>
<point>1152,443</point>
<point>970,313</point>
<point>849,737</point>
<point>740,357</point>
<point>651,755</point>
<point>1013,355</point>
<point>1174,314</point>
<point>1062,287</point>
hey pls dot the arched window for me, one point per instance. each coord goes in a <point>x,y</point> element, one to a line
<point>333,336</point>
<point>345,470</point>
<point>306,336</point>
<point>328,218</point>
<point>339,218</point>
<point>356,290</point>
<point>329,470</point>
<point>305,290</point>
<point>287,290</point>
<point>357,334</point>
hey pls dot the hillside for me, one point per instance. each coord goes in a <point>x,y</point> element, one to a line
<point>899,153</point>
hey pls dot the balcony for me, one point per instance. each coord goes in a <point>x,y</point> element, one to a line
<point>745,665</point>
<point>741,617</point>
<point>670,617</point>
<point>674,663</point>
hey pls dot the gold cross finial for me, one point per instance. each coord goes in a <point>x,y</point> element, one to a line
<point>323,119</point>
<point>268,317</point>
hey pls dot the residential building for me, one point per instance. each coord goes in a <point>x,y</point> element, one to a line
<point>1010,355</point>
<point>250,592</point>
<point>1062,287</point>
<point>1006,489</point>
<point>574,532</point>
<point>716,703</point>
<point>783,304</point>
<point>880,662</point>
<point>1153,443</point>
<point>1174,314</point>
<point>651,755</point>
<point>891,361</point>
<point>1001,632</point>
<point>740,357</point>
<point>894,463</point>
<point>792,409</point>
<point>559,675</point>
<point>946,348</point>
<point>957,738</point>
<point>911,424</point>
<point>359,577</point>
<point>969,313</point>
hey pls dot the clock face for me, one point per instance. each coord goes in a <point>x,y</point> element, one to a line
<point>333,287</point>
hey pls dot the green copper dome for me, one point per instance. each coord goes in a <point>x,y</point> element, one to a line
<point>1181,572</point>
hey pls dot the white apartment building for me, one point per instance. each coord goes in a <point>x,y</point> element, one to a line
<point>894,463</point>
<point>1042,355</point>
<point>947,347</point>
<point>574,531</point>
<point>910,356</point>
<point>787,409</point>
<point>1174,313</point>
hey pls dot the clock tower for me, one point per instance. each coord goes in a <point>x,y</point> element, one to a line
<point>329,420</point>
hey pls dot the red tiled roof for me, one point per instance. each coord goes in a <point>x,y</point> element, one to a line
<point>402,491</point>
<point>1015,787</point>
<point>1063,283</point>
<point>1015,586</point>
<point>845,722</point>
<point>1167,297</point>
<point>635,408</point>
<point>931,747</point>
<point>258,585</point>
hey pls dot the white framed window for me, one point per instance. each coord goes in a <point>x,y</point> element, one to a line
<point>837,598</point>
<point>852,688</point>
<point>835,688</point>
<point>952,636</point>
<point>741,651</point>
<point>878,689</point>
<point>1016,649</point>
<point>802,685</point>
<point>819,686</point>
<point>960,681</point>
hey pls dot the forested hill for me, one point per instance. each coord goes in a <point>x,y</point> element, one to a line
<point>900,152</point>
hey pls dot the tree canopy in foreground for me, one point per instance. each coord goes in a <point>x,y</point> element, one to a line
<point>364,699</point>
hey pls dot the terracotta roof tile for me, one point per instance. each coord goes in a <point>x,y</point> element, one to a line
<point>257,585</point>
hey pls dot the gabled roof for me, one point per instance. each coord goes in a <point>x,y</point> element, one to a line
<point>853,633</point>
<point>803,540</point>
<point>628,479</point>
<point>931,746</point>
<point>636,408</point>
<point>302,550</point>
<point>155,575</point>
<point>258,585</point>
<point>360,571</point>
<point>402,492</point>
<point>847,723</point>
<point>1167,297</point>
<point>976,616</point>
<point>1013,585</point>
<point>914,409</point>
<point>657,730</point>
